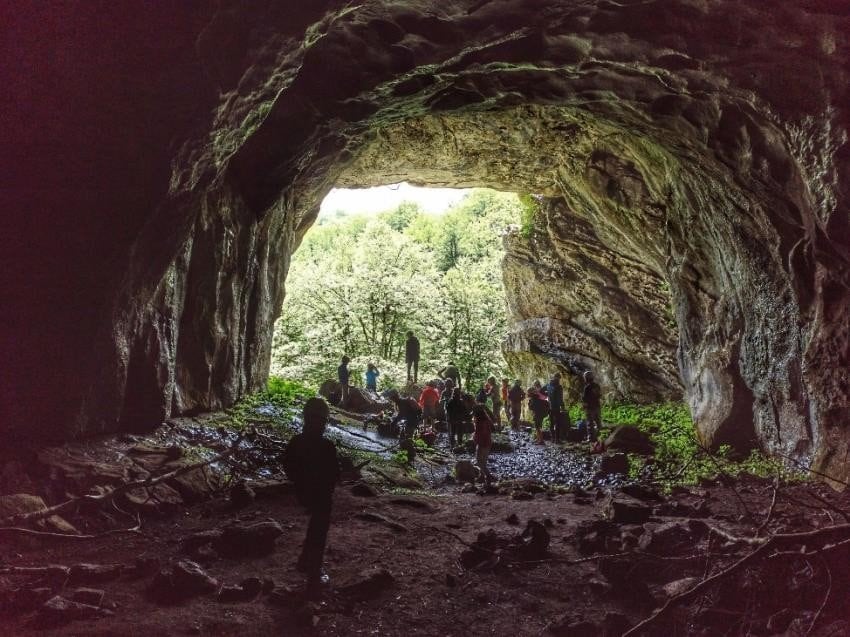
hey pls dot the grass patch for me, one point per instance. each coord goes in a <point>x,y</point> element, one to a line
<point>680,458</point>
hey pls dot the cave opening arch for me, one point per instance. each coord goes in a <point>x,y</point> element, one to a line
<point>706,142</point>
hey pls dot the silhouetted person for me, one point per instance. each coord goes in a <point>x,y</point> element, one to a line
<point>515,396</point>
<point>556,408</point>
<point>446,396</point>
<point>451,371</point>
<point>411,356</point>
<point>591,398</point>
<point>506,403</point>
<point>310,462</point>
<point>538,403</point>
<point>343,375</point>
<point>495,396</point>
<point>457,413</point>
<point>372,374</point>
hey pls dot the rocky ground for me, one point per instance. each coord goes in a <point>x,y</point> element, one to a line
<point>198,554</point>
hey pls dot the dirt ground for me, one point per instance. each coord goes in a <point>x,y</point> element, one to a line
<point>419,541</point>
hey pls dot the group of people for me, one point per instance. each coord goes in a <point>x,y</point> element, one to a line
<point>310,459</point>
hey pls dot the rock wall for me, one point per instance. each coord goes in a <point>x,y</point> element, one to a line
<point>167,160</point>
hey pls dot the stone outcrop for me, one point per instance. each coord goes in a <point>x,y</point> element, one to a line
<point>167,162</point>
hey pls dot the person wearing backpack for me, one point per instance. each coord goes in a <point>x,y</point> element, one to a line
<point>515,396</point>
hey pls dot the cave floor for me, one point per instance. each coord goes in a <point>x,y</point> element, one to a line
<point>419,540</point>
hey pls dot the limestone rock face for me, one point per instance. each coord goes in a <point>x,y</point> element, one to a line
<point>692,156</point>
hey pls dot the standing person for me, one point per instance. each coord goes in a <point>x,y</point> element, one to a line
<point>515,396</point>
<point>496,401</point>
<point>451,371</point>
<point>446,396</point>
<point>411,356</point>
<point>456,413</point>
<point>483,437</point>
<point>310,461</point>
<point>556,408</point>
<point>591,401</point>
<point>372,374</point>
<point>344,375</point>
<point>428,402</point>
<point>505,402</point>
<point>538,403</point>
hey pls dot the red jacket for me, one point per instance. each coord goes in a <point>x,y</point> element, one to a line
<point>429,397</point>
<point>483,430</point>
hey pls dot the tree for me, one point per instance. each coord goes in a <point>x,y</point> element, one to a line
<point>359,283</point>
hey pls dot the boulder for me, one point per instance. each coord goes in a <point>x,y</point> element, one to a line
<point>465,471</point>
<point>248,539</point>
<point>630,439</point>
<point>359,400</point>
<point>269,488</point>
<point>623,509</point>
<point>614,463</point>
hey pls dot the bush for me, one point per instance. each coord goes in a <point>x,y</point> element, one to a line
<point>680,458</point>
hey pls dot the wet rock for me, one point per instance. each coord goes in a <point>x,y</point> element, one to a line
<point>59,610</point>
<point>248,540</point>
<point>182,580</point>
<point>90,596</point>
<point>465,471</point>
<point>241,495</point>
<point>630,439</point>
<point>363,490</point>
<point>368,584</point>
<point>23,503</point>
<point>626,510</point>
<point>94,573</point>
<point>613,463</point>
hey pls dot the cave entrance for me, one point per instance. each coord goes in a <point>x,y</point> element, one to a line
<point>382,261</point>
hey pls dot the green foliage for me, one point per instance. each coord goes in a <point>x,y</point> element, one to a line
<point>359,283</point>
<point>401,457</point>
<point>281,394</point>
<point>680,458</point>
<point>530,208</point>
